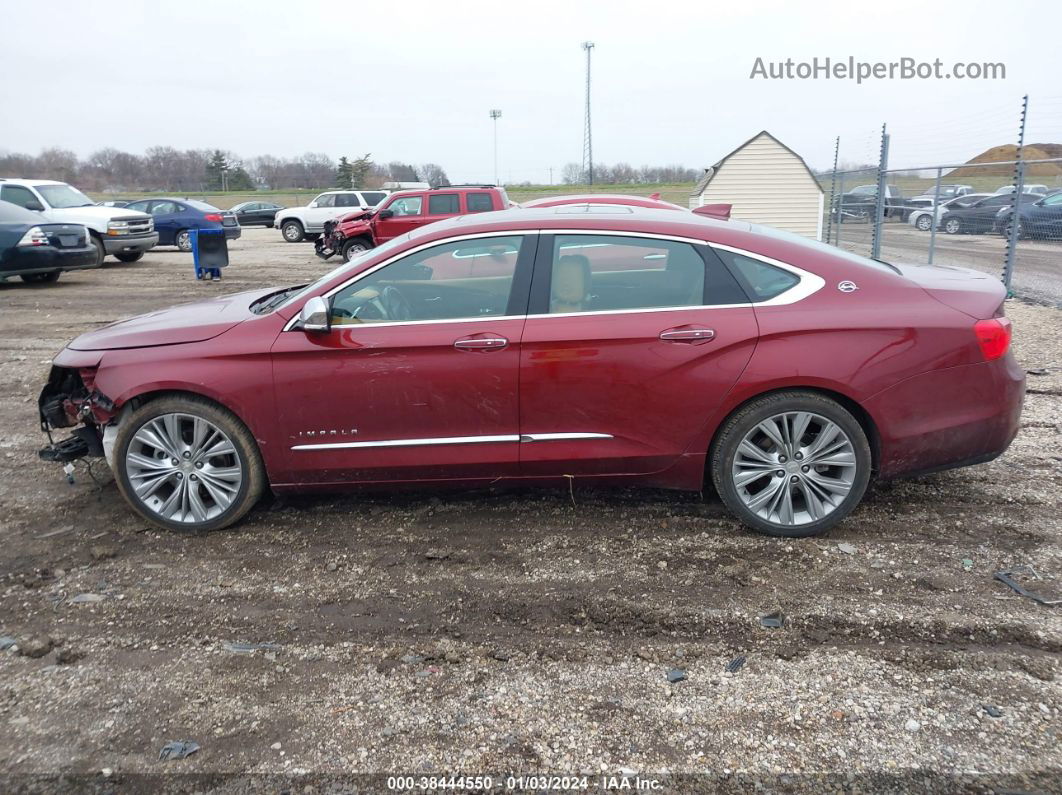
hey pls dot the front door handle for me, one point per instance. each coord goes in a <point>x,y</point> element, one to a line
<point>481,343</point>
<point>693,334</point>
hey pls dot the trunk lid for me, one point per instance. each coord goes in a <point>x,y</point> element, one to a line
<point>974,293</point>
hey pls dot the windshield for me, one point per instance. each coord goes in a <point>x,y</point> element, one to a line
<point>385,248</point>
<point>61,197</point>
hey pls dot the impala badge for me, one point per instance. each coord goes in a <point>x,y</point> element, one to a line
<point>847,287</point>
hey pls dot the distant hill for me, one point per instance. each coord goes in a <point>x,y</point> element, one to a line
<point>1009,152</point>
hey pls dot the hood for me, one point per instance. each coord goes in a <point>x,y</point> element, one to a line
<point>972,292</point>
<point>202,320</point>
<point>354,216</point>
<point>100,214</point>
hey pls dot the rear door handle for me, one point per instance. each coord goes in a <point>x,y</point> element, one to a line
<point>689,334</point>
<point>481,343</point>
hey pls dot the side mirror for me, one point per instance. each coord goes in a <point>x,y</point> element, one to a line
<point>35,205</point>
<point>315,316</point>
<point>385,214</point>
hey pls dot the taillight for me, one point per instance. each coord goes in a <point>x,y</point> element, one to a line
<point>993,336</point>
<point>34,237</point>
<point>212,217</point>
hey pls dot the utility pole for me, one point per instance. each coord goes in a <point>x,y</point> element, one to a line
<point>588,140</point>
<point>495,114</point>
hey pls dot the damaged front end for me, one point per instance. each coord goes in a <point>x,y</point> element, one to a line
<point>329,242</point>
<point>70,400</point>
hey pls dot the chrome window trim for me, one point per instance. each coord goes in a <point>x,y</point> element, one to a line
<point>448,440</point>
<point>809,284</point>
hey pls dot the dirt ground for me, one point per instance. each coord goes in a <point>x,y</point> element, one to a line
<point>483,632</point>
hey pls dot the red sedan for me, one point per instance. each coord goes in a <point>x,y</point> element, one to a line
<point>608,344</point>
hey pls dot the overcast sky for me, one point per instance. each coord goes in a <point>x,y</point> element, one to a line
<point>414,81</point>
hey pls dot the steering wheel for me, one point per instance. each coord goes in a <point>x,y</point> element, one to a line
<point>393,304</point>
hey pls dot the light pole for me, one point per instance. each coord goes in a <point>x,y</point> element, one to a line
<point>495,114</point>
<point>588,140</point>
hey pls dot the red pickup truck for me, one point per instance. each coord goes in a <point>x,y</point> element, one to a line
<point>403,212</point>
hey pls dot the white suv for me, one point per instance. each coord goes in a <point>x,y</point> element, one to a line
<point>126,234</point>
<point>300,223</point>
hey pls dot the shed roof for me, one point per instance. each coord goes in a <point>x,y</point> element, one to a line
<point>709,173</point>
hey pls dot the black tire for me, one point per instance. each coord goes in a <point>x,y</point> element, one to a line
<point>293,231</point>
<point>183,240</point>
<point>41,278</point>
<point>253,471</point>
<point>924,223</point>
<point>953,226</point>
<point>129,256</point>
<point>354,246</point>
<point>101,252</point>
<point>733,431</point>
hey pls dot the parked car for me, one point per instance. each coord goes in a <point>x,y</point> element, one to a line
<point>858,204</point>
<point>256,213</point>
<point>1041,218</point>
<point>306,223</point>
<point>175,217</point>
<point>1027,188</point>
<point>119,232</point>
<point>947,193</point>
<point>39,252</point>
<point>925,217</point>
<point>554,348</point>
<point>353,233</point>
<point>979,217</point>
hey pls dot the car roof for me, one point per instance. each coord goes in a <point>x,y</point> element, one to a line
<point>601,198</point>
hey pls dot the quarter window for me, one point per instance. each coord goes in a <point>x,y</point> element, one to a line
<point>600,273</point>
<point>462,279</point>
<point>443,204</point>
<point>479,202</point>
<point>761,280</point>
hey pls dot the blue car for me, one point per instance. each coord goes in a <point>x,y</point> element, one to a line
<point>174,217</point>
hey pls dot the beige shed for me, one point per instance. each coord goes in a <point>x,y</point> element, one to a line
<point>766,182</point>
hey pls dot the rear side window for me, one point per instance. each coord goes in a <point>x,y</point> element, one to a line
<point>479,202</point>
<point>443,204</point>
<point>761,281</point>
<point>16,194</point>
<point>347,200</point>
<point>326,200</point>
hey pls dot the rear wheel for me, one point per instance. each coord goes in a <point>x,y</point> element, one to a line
<point>292,231</point>
<point>791,464</point>
<point>186,463</point>
<point>41,278</point>
<point>352,248</point>
<point>129,256</point>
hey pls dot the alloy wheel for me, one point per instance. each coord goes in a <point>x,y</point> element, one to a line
<point>183,468</point>
<point>794,468</point>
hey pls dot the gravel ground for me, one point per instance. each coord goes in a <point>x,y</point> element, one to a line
<point>488,631</point>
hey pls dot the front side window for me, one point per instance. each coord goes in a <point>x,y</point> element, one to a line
<point>479,202</point>
<point>452,281</point>
<point>18,195</point>
<point>443,204</point>
<point>326,200</point>
<point>601,273</point>
<point>407,205</point>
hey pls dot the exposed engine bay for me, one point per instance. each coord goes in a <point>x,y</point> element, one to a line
<point>70,400</point>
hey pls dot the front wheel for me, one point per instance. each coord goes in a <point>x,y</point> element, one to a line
<point>791,464</point>
<point>183,240</point>
<point>101,252</point>
<point>354,247</point>
<point>185,463</point>
<point>129,256</point>
<point>953,226</point>
<point>924,223</point>
<point>292,231</point>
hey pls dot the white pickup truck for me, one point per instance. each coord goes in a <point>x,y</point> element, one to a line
<point>125,234</point>
<point>306,223</point>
